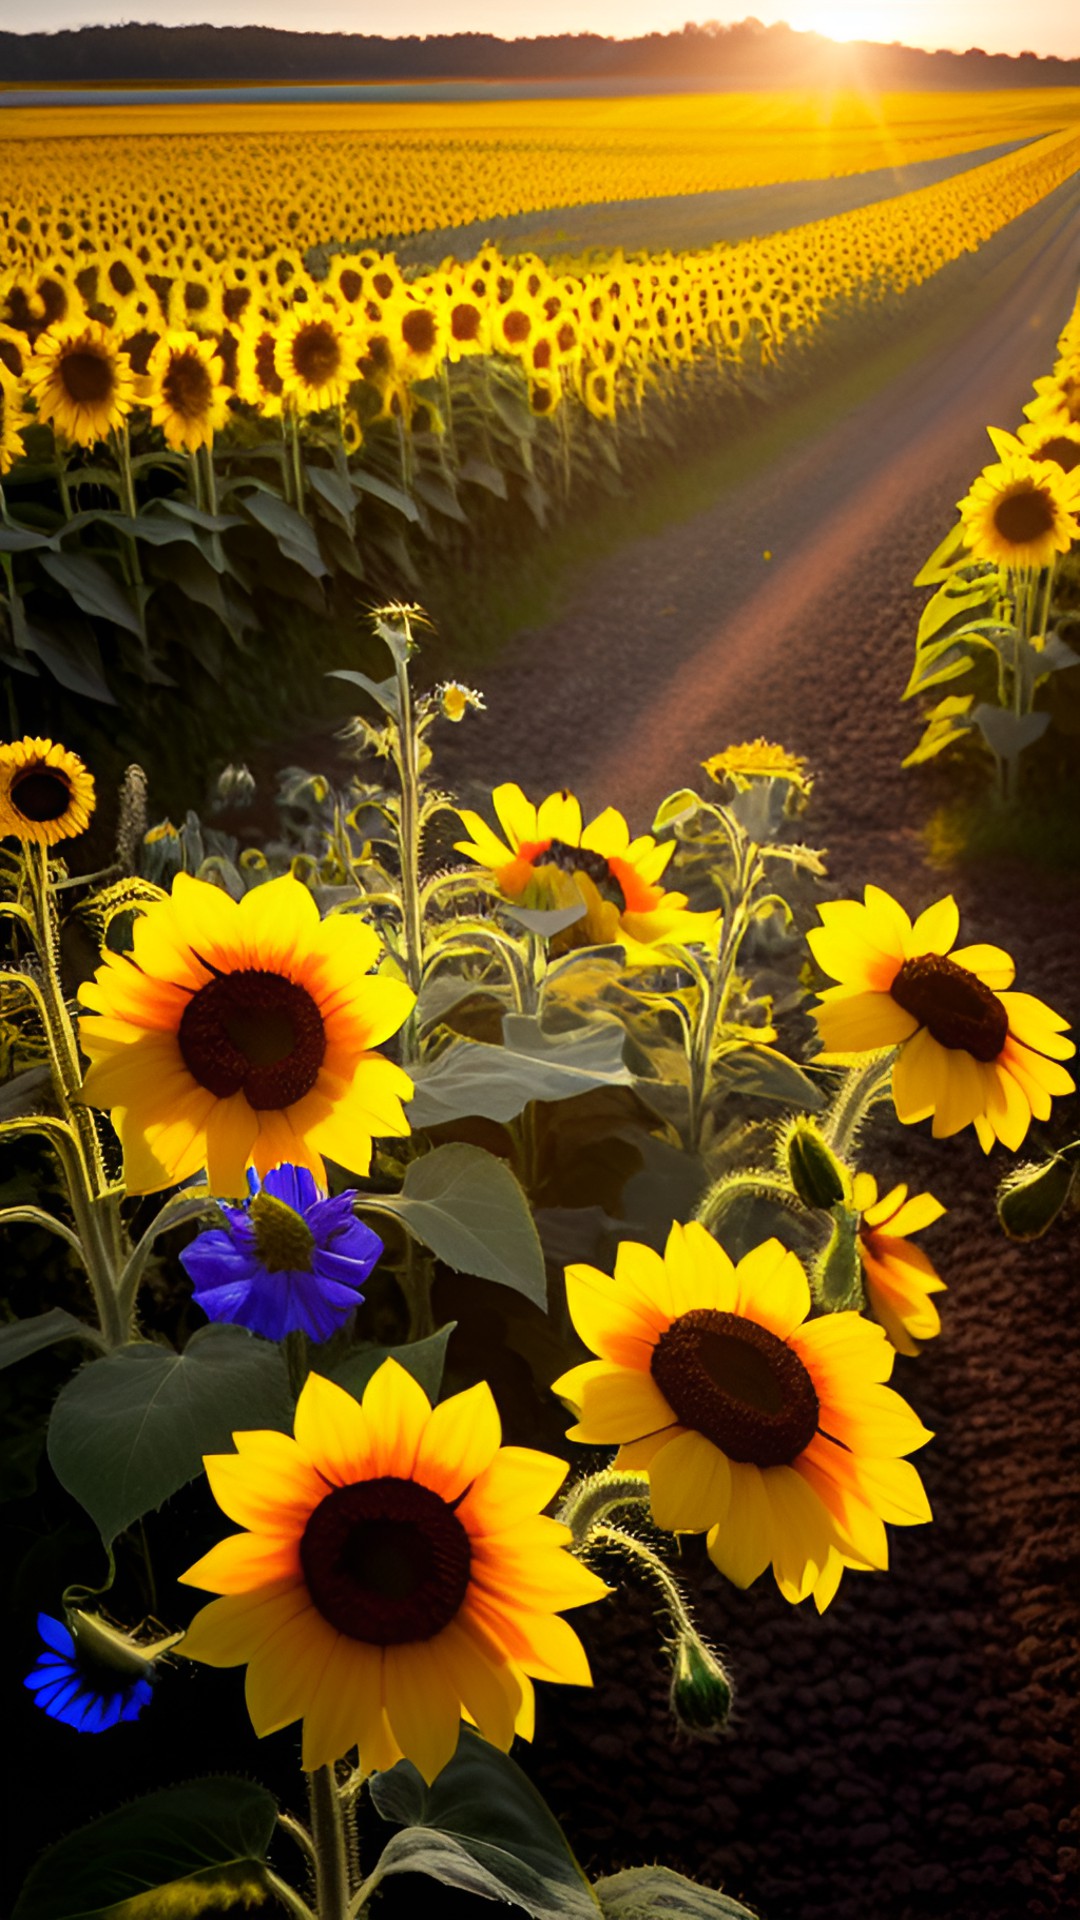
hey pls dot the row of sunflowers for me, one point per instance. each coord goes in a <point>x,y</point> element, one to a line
<point>999,626</point>
<point>287,1042</point>
<point>273,337</point>
<point>239,437</point>
<point>386,171</point>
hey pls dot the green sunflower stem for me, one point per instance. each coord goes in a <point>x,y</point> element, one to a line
<point>409,823</point>
<point>328,1837</point>
<point>648,1562</point>
<point>861,1088</point>
<point>734,1187</point>
<point>97,1222</point>
<point>587,1502</point>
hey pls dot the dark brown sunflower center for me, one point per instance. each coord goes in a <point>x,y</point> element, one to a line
<point>187,386</point>
<point>265,371</point>
<point>386,1561</point>
<point>953,1004</point>
<point>41,793</point>
<point>316,353</point>
<point>418,331</point>
<point>1066,452</point>
<point>87,377</point>
<point>465,321</point>
<point>569,859</point>
<point>254,1033</point>
<point>1024,516</point>
<point>738,1384</point>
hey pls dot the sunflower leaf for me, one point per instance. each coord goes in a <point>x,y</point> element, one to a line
<point>294,537</point>
<point>468,1208</point>
<point>205,1842</point>
<point>92,588</point>
<point>385,692</point>
<point>650,1893</point>
<point>1007,734</point>
<point>482,1827</point>
<point>23,1337</point>
<point>131,1429</point>
<point>474,1079</point>
<point>424,1359</point>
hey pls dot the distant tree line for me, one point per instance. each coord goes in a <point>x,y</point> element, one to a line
<point>748,54</point>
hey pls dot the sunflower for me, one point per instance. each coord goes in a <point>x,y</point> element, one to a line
<point>899,1277</point>
<point>417,329</point>
<point>970,1052</point>
<point>46,794</point>
<point>13,422</point>
<point>187,397</point>
<point>81,381</point>
<point>553,861</point>
<point>772,1434</point>
<point>1056,440</point>
<point>1057,397</point>
<point>314,358</point>
<point>1020,513</point>
<point>239,1033</point>
<point>398,1573</point>
<point>258,381</point>
<point>757,760</point>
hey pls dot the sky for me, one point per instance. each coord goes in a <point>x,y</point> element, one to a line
<point>1000,26</point>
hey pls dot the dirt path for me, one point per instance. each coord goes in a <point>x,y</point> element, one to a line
<point>908,1754</point>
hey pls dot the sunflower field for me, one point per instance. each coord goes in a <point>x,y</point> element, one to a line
<point>180,431</point>
<point>438,1222</point>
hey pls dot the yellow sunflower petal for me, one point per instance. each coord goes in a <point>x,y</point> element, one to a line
<point>269,1486</point>
<point>993,966</point>
<point>284,1676</point>
<point>742,1545</point>
<point>689,1484</point>
<point>920,1070</point>
<point>332,1431</point>
<point>559,818</point>
<point>232,1128</point>
<point>614,1324</point>
<point>460,1440</point>
<point>915,1214</point>
<point>699,1272</point>
<point>772,1289</point>
<point>803,1533</point>
<point>422,1705</point>
<point>519,1481</point>
<point>936,929</point>
<point>618,1405</point>
<point>862,1023</point>
<point>515,814</point>
<point>347,1705</point>
<point>484,1679</point>
<point>231,1630</point>
<point>397,1410</point>
<point>245,1561</point>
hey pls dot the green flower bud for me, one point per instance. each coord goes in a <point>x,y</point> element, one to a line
<point>700,1689</point>
<point>838,1278</point>
<point>1030,1198</point>
<point>818,1177</point>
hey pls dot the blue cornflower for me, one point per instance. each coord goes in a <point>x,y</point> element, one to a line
<point>288,1260</point>
<point>84,1692</point>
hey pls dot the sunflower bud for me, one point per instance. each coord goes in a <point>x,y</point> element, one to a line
<point>234,788</point>
<point>700,1689</point>
<point>1030,1198</point>
<point>455,700</point>
<point>818,1177</point>
<point>838,1282</point>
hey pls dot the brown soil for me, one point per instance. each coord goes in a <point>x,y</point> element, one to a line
<point>907,1754</point>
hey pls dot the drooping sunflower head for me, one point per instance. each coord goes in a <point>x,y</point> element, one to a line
<point>970,1051</point>
<point>899,1276</point>
<point>757,760</point>
<point>242,1033</point>
<point>769,1432</point>
<point>46,794</point>
<point>398,1573</point>
<point>1020,513</point>
<point>81,381</point>
<point>315,358</point>
<point>188,399</point>
<point>553,860</point>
